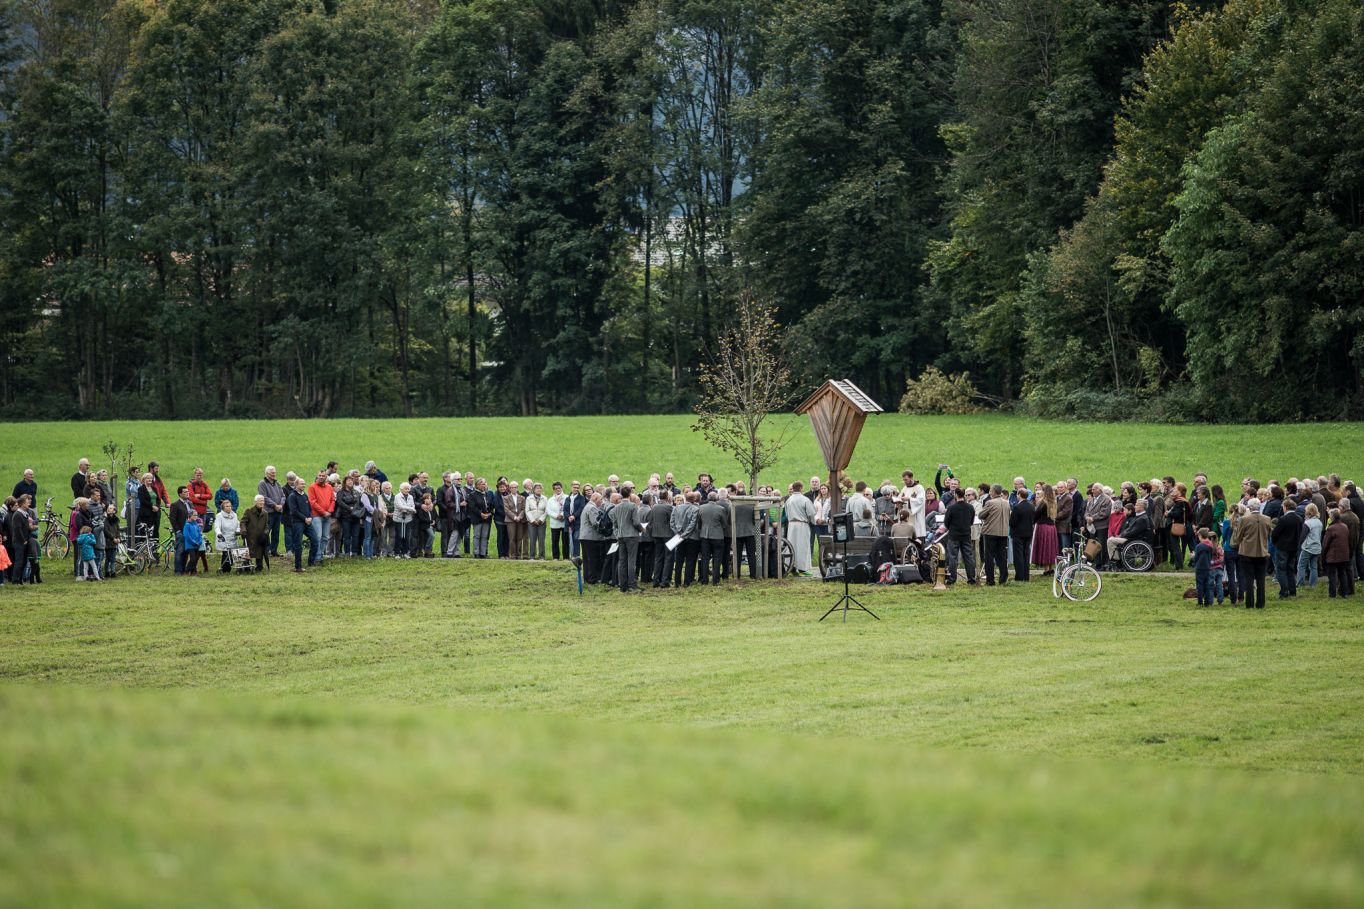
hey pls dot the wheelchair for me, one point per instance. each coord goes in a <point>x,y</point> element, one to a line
<point>1136,555</point>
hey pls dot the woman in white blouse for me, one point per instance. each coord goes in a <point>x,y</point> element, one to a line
<point>226,528</point>
<point>404,510</point>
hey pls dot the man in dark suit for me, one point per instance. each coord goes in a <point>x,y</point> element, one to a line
<point>180,511</point>
<point>574,504</point>
<point>714,523</point>
<point>746,537</point>
<point>1284,536</point>
<point>466,515</point>
<point>80,479</point>
<point>660,532</point>
<point>1022,522</point>
<point>626,525</point>
<point>448,504</point>
<point>687,523</point>
<point>646,538</point>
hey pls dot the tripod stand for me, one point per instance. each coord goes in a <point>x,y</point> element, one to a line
<point>847,601</point>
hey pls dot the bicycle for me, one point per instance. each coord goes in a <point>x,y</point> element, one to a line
<point>1074,578</point>
<point>150,554</point>
<point>54,543</point>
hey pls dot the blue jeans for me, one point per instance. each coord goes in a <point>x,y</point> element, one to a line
<point>1285,572</point>
<point>179,553</point>
<point>368,547</point>
<point>1064,541</point>
<point>321,534</point>
<point>296,533</point>
<point>1203,583</point>
<point>1309,563</point>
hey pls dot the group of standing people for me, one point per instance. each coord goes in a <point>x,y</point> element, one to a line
<point>665,535</point>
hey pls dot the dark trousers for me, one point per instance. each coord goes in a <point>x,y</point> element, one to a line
<point>1286,572</point>
<point>295,534</point>
<point>1203,586</point>
<point>468,527</point>
<point>1253,569</point>
<point>1178,548</point>
<point>1233,566</point>
<point>964,549</point>
<point>996,555</point>
<point>593,550</point>
<point>1022,555</point>
<point>690,550</point>
<point>712,555</point>
<point>627,562</point>
<point>276,519</point>
<point>18,557</point>
<point>503,540</point>
<point>663,563</point>
<point>747,547</point>
<point>350,536</point>
<point>647,550</point>
<point>1101,534</point>
<point>1338,579</point>
<point>558,543</point>
<point>179,553</point>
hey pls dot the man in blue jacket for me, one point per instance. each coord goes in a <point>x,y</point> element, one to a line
<point>300,524</point>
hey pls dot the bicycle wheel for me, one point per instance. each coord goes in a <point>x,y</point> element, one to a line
<point>1081,583</point>
<point>137,562</point>
<point>56,546</point>
<point>168,558</point>
<point>1138,556</point>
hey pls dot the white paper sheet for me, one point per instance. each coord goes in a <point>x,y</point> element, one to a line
<point>675,542</point>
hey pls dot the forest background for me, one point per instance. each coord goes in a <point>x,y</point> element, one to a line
<point>1106,209</point>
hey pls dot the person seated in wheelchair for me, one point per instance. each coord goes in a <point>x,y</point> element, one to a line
<point>1136,527</point>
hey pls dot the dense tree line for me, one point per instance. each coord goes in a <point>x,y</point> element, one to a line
<point>1120,208</point>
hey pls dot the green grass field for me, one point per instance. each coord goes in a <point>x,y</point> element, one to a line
<point>436,733</point>
<point>980,448</point>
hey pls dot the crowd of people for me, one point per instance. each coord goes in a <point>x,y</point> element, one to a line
<point>664,535</point>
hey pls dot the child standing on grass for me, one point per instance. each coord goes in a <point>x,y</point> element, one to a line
<point>1202,566</point>
<point>85,543</point>
<point>1218,566</point>
<point>194,545</point>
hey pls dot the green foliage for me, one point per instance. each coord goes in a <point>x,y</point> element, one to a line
<point>370,207</point>
<point>1265,252</point>
<point>934,392</point>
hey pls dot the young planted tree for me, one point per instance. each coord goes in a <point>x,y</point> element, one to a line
<point>740,388</point>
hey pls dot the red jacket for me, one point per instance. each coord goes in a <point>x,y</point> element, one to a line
<point>160,489</point>
<point>199,496</point>
<point>322,498</point>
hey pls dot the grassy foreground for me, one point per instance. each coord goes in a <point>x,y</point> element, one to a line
<point>992,448</point>
<point>434,732</point>
<point>178,800</point>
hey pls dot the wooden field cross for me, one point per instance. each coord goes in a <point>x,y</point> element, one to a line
<point>837,410</point>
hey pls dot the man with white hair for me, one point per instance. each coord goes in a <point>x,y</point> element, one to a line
<point>81,478</point>
<point>274,495</point>
<point>374,473</point>
<point>28,486</point>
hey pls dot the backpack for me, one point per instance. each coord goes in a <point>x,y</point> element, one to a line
<point>882,551</point>
<point>604,526</point>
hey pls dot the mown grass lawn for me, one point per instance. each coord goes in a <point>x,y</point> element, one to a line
<point>432,733</point>
<point>987,448</point>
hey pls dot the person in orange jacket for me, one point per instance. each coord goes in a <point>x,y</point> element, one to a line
<point>322,498</point>
<point>199,497</point>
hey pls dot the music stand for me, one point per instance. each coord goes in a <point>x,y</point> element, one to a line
<point>841,525</point>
